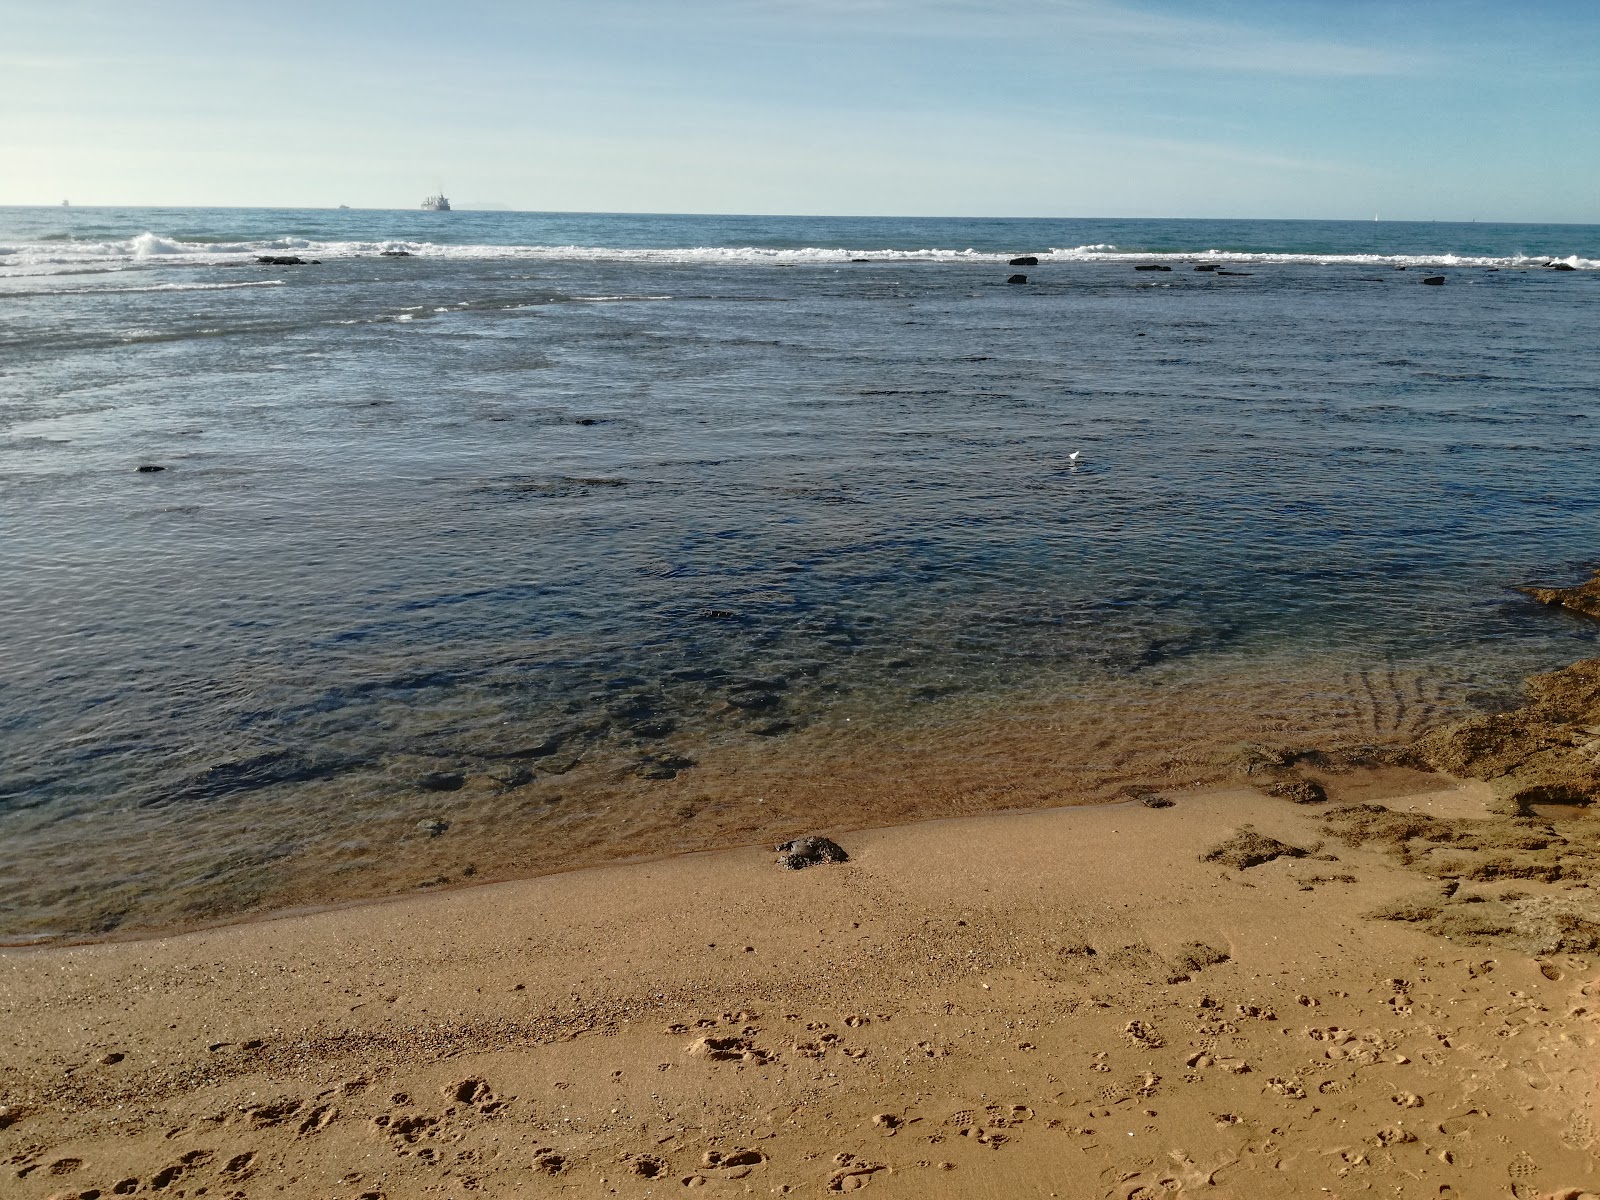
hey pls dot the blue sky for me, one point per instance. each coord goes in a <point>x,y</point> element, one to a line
<point>1447,109</point>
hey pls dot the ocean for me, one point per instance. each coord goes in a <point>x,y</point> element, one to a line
<point>489,544</point>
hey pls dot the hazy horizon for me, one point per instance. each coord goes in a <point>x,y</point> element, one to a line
<point>469,207</point>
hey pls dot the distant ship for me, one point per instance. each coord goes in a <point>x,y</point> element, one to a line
<point>436,203</point>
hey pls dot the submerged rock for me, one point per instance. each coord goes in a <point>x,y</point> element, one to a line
<point>150,468</point>
<point>281,260</point>
<point>1561,266</point>
<point>1207,267</point>
<point>441,781</point>
<point>432,826</point>
<point>810,852</point>
<point>1585,598</point>
<point>1152,267</point>
<point>1017,279</point>
<point>1434,281</point>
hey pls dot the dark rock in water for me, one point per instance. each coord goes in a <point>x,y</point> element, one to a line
<point>441,781</point>
<point>1017,279</point>
<point>1152,267</point>
<point>652,729</point>
<point>1207,267</point>
<point>1562,267</point>
<point>810,852</point>
<point>586,421</point>
<point>511,776</point>
<point>1585,598</point>
<point>716,614</point>
<point>1300,791</point>
<point>1027,260</point>
<point>281,260</point>
<point>1239,274</point>
<point>664,766</point>
<point>1247,848</point>
<point>772,728</point>
<point>860,260</point>
<point>1252,758</point>
<point>543,749</point>
<point>753,701</point>
<point>395,253</point>
<point>1434,280</point>
<point>432,826</point>
<point>150,468</point>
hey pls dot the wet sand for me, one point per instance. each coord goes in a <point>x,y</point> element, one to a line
<point>164,868</point>
<point>1063,1003</point>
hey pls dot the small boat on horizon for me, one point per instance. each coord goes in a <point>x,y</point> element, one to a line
<point>436,203</point>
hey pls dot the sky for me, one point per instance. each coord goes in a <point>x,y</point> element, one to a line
<point>1406,109</point>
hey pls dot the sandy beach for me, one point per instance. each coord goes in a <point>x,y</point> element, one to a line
<point>1067,1003</point>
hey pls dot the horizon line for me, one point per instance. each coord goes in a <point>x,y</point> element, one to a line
<point>554,212</point>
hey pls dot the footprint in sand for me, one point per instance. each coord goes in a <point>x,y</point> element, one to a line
<point>548,1162</point>
<point>852,1174</point>
<point>1460,1125</point>
<point>1142,1034</point>
<point>729,1049</point>
<point>647,1166</point>
<point>732,1164</point>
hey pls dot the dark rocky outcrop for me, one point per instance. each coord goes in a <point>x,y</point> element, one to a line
<point>1026,260</point>
<point>810,852</point>
<point>1247,848</point>
<point>149,468</point>
<point>1300,791</point>
<point>281,260</point>
<point>1152,267</point>
<point>1471,860</point>
<point>1434,281</point>
<point>1207,267</point>
<point>1585,598</point>
<point>1545,752</point>
<point>1239,274</point>
<point>1561,266</point>
<point>395,253</point>
<point>1017,279</point>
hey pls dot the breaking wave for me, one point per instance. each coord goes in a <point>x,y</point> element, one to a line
<point>150,249</point>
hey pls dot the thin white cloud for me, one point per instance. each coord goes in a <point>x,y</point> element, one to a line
<point>1138,34</point>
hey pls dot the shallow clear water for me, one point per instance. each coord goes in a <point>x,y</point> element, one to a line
<point>493,511</point>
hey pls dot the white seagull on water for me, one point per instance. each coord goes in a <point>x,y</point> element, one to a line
<point>1073,457</point>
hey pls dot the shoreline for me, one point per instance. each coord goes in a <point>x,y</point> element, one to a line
<point>1122,738</point>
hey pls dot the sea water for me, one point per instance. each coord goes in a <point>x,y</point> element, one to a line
<point>498,542</point>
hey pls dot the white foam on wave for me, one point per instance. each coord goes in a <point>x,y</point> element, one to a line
<point>167,287</point>
<point>151,249</point>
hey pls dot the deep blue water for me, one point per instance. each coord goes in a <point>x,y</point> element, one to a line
<point>638,487</point>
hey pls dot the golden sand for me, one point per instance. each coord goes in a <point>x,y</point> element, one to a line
<point>1064,1003</point>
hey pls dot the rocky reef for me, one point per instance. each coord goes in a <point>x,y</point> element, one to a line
<point>1585,598</point>
<point>1545,752</point>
